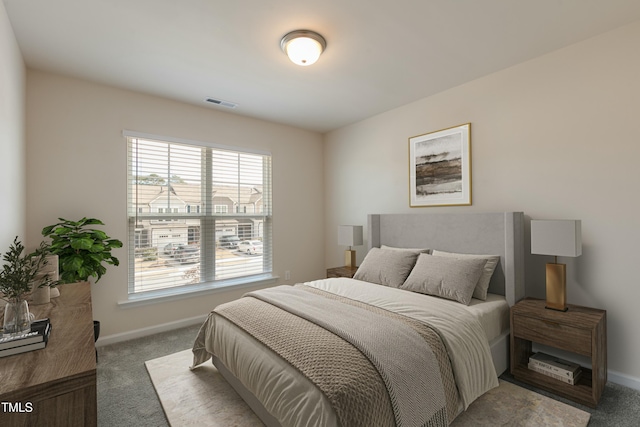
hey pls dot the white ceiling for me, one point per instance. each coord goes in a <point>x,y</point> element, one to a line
<point>380,54</point>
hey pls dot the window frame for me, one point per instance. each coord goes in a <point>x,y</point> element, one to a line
<point>207,221</point>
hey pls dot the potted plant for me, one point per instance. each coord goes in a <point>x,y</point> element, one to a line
<point>17,280</point>
<point>81,251</point>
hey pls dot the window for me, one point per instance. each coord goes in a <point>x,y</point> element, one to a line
<point>220,209</point>
<point>183,197</point>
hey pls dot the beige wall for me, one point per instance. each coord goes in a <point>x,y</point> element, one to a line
<point>555,137</point>
<point>77,167</point>
<point>12,139</point>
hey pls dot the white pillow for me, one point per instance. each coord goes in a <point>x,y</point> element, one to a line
<point>445,277</point>
<point>386,267</point>
<point>482,287</point>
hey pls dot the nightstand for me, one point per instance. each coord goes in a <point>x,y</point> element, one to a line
<point>341,272</point>
<point>579,330</point>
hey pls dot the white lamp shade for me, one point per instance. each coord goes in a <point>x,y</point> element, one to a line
<point>556,237</point>
<point>350,235</point>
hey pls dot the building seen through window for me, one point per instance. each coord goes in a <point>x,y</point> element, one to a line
<point>189,208</point>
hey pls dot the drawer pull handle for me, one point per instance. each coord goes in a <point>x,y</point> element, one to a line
<point>552,324</point>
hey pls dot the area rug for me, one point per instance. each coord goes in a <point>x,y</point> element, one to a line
<point>202,397</point>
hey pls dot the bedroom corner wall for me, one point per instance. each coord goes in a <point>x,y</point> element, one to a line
<point>77,167</point>
<point>555,137</point>
<point>12,136</point>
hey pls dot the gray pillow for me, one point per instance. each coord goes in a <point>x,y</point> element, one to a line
<point>482,287</point>
<point>450,278</point>
<point>386,267</point>
<point>418,250</point>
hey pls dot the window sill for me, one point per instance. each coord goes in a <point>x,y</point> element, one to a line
<point>183,292</point>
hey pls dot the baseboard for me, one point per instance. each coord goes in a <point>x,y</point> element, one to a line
<point>622,379</point>
<point>143,332</point>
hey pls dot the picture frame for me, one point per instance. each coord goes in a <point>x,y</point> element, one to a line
<point>440,167</point>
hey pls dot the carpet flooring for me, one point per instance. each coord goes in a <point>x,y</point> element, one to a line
<point>126,396</point>
<point>202,397</point>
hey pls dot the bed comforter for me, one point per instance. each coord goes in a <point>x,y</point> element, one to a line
<point>397,358</point>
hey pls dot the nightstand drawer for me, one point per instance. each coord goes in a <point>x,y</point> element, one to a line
<point>553,334</point>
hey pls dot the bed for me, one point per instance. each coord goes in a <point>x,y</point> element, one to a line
<point>270,359</point>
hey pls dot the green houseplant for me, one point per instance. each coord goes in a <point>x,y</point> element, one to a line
<point>17,278</point>
<point>82,250</point>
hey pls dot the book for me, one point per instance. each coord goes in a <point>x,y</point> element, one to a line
<point>17,341</point>
<point>22,349</point>
<point>42,327</point>
<point>572,381</point>
<point>40,330</point>
<point>545,369</point>
<point>555,364</point>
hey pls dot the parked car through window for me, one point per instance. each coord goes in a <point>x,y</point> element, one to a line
<point>250,246</point>
<point>228,242</point>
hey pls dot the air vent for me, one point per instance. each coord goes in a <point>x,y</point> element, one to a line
<point>221,103</point>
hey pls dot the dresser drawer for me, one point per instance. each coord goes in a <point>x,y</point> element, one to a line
<point>553,334</point>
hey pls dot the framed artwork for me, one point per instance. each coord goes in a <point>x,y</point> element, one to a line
<point>440,167</point>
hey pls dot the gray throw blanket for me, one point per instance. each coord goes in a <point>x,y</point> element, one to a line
<point>403,359</point>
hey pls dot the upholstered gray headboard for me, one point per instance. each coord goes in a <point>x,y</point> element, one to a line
<point>472,233</point>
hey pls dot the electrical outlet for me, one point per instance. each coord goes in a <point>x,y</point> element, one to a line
<point>287,275</point>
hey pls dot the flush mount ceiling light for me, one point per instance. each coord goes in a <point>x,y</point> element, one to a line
<point>303,47</point>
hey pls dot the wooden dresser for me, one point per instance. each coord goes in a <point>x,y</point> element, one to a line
<point>58,381</point>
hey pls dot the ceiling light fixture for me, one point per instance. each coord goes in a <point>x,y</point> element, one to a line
<point>303,47</point>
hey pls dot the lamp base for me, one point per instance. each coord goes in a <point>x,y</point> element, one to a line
<point>350,258</point>
<point>557,287</point>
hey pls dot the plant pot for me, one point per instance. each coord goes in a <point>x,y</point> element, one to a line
<point>51,270</point>
<point>41,295</point>
<point>96,334</point>
<point>17,319</point>
<point>96,330</point>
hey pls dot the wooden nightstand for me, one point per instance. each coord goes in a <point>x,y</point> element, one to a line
<point>579,330</point>
<point>341,272</point>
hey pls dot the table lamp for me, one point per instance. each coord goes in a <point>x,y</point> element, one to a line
<point>557,238</point>
<point>350,235</point>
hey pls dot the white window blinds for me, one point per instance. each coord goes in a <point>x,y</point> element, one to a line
<point>198,213</point>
